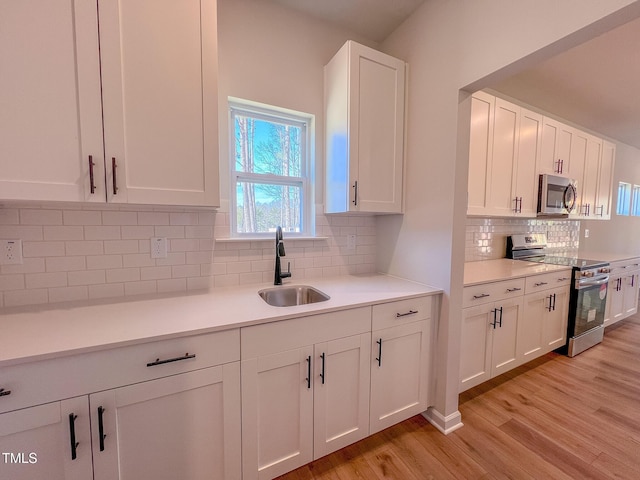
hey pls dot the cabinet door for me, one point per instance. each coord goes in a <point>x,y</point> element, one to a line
<point>159,81</point>
<point>555,148</point>
<point>183,426</point>
<point>529,147</point>
<point>50,114</point>
<point>400,373</point>
<point>480,152</point>
<point>277,413</point>
<point>505,151</point>
<point>555,320</point>
<point>605,181</point>
<point>475,346</point>
<point>341,393</point>
<point>630,294</point>
<point>615,298</point>
<point>530,334</point>
<point>505,335</point>
<point>376,104</point>
<point>589,187</point>
<point>35,443</point>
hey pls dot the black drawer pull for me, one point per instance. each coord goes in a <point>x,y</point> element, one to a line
<point>514,289</point>
<point>410,312</point>
<point>170,360</point>
<point>539,284</point>
<point>4,393</point>
<point>482,295</point>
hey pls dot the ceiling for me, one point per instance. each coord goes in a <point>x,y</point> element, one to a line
<point>595,85</point>
<point>373,19</point>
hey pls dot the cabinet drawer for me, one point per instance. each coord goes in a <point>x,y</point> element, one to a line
<point>397,313</point>
<point>491,292</point>
<point>623,267</point>
<point>50,380</point>
<point>546,281</point>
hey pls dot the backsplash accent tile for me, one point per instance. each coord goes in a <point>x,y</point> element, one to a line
<point>81,252</point>
<point>486,238</point>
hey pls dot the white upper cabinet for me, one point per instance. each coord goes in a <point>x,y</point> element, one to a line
<point>557,141</point>
<point>50,114</point>
<point>605,181</point>
<point>365,114</point>
<point>504,147</point>
<point>145,81</point>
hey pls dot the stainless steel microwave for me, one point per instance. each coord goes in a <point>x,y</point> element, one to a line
<point>556,195</point>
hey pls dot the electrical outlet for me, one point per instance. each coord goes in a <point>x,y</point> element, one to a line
<point>351,242</point>
<point>158,247</point>
<point>10,252</point>
<point>586,233</point>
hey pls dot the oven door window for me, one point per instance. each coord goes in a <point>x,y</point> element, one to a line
<point>590,308</point>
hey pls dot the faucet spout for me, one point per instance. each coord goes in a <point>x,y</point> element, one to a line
<point>278,274</point>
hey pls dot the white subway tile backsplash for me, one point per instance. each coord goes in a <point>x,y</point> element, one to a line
<point>76,252</point>
<point>40,217</point>
<point>81,217</point>
<point>63,233</point>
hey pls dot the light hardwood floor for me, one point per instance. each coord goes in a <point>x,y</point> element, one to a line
<point>554,418</point>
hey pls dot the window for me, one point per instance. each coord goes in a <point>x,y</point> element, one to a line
<point>624,198</point>
<point>270,165</point>
<point>635,201</point>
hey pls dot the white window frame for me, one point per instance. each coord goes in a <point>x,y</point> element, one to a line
<point>305,182</point>
<point>635,201</point>
<point>623,205</point>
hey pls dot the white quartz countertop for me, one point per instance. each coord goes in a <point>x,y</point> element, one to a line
<point>30,334</point>
<point>608,256</point>
<point>503,269</point>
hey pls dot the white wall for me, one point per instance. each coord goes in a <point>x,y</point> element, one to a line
<point>621,234</point>
<point>450,45</point>
<point>274,55</point>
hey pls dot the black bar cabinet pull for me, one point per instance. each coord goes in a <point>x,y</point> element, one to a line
<point>72,435</point>
<point>633,278</point>
<point>495,316</point>
<point>92,184</point>
<point>554,302</point>
<point>410,312</point>
<point>550,303</point>
<point>379,357</point>
<point>355,193</point>
<point>4,393</point>
<point>539,284</point>
<point>500,322</point>
<point>482,295</point>
<point>113,175</point>
<point>308,379</point>
<point>514,289</point>
<point>186,356</point>
<point>101,434</point>
<point>322,357</point>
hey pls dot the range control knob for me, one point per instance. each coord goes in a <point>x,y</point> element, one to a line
<point>587,274</point>
<point>604,270</point>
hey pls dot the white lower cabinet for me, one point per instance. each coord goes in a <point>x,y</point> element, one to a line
<point>149,412</point>
<point>50,441</point>
<point>183,426</point>
<point>622,292</point>
<point>489,339</point>
<point>401,357</point>
<point>544,327</point>
<point>304,402</point>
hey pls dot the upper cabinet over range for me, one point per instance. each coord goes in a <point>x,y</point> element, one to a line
<point>364,108</point>
<point>510,146</point>
<point>109,100</point>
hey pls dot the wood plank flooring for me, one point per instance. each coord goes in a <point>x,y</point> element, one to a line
<point>554,418</point>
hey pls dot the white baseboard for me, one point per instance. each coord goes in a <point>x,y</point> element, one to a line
<point>446,424</point>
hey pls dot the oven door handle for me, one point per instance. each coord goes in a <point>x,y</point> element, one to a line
<point>593,283</point>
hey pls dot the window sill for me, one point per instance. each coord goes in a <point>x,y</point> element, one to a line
<point>265,239</point>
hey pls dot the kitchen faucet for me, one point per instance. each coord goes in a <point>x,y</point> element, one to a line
<point>280,253</point>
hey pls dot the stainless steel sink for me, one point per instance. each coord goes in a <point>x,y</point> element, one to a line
<point>292,295</point>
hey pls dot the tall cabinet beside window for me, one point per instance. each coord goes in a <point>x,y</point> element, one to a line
<point>123,113</point>
<point>365,116</point>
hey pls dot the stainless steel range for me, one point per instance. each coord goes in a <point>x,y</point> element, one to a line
<point>588,296</point>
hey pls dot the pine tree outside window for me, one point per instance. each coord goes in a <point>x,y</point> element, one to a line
<point>270,172</point>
